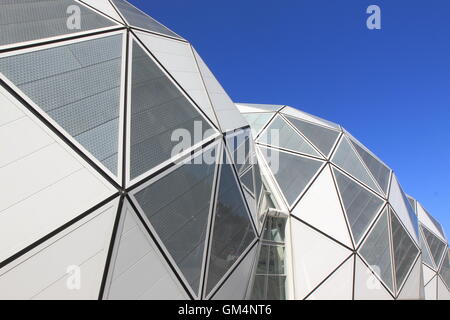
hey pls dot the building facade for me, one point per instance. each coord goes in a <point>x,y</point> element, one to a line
<point>128,173</point>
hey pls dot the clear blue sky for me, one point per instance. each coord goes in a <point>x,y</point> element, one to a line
<point>390,88</point>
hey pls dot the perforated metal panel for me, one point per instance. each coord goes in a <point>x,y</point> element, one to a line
<point>39,19</point>
<point>232,231</point>
<point>376,250</point>
<point>78,85</point>
<point>178,207</point>
<point>158,108</point>
<point>360,205</point>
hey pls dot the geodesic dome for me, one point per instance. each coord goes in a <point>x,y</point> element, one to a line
<point>127,172</point>
<point>352,233</point>
<point>95,203</point>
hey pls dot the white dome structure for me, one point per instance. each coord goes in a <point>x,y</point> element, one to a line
<point>127,172</point>
<point>350,230</point>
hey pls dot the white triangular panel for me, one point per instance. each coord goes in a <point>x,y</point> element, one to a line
<point>321,208</point>
<point>443,292</point>
<point>105,7</point>
<point>138,270</point>
<point>77,255</point>
<point>431,290</point>
<point>308,117</point>
<point>425,220</point>
<point>428,274</point>
<point>411,288</point>
<point>227,114</point>
<point>367,285</point>
<point>397,202</point>
<point>235,288</point>
<point>339,286</point>
<point>314,257</point>
<point>177,57</point>
<point>252,107</point>
<point>44,184</point>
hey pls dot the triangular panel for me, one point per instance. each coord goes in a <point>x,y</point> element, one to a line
<point>38,20</point>
<point>321,208</point>
<point>177,57</point>
<point>436,246</point>
<point>158,108</point>
<point>314,258</point>
<point>379,171</point>
<point>431,289</point>
<point>367,285</point>
<point>411,288</point>
<point>443,291</point>
<point>405,251</point>
<point>49,270</point>
<point>257,121</point>
<point>426,256</point>
<point>323,138</point>
<point>402,207</point>
<point>339,286</point>
<point>252,107</point>
<point>227,113</point>
<point>361,206</point>
<point>136,18</point>
<point>308,117</point>
<point>232,231</point>
<point>292,172</point>
<point>445,269</point>
<point>376,250</point>
<point>345,158</point>
<point>235,287</point>
<point>180,216</point>
<point>138,270</point>
<point>78,86</point>
<point>105,7</point>
<point>280,134</point>
<point>430,222</point>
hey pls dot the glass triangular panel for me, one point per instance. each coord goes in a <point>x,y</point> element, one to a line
<point>292,172</point>
<point>361,205</point>
<point>376,250</point>
<point>247,180</point>
<point>437,247</point>
<point>345,158</point>
<point>158,108</point>
<point>24,21</point>
<point>405,252</point>
<point>232,231</point>
<point>379,171</point>
<point>138,19</point>
<point>257,121</point>
<point>78,86</point>
<point>426,257</point>
<point>445,269</point>
<point>323,138</point>
<point>177,206</point>
<point>280,134</point>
